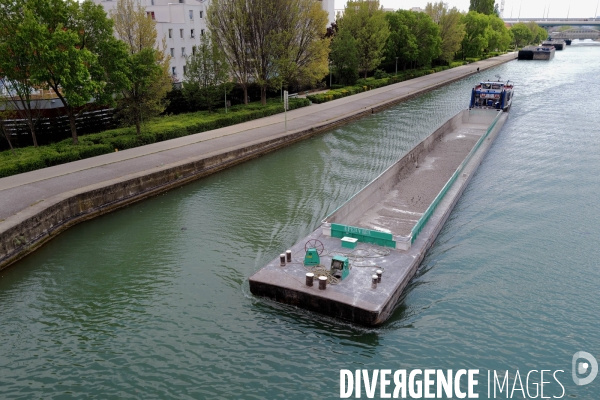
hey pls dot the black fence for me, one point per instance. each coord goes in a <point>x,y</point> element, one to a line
<point>53,129</point>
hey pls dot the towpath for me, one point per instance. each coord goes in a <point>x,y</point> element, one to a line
<point>26,195</point>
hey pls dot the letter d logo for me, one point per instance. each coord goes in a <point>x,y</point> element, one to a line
<point>582,367</point>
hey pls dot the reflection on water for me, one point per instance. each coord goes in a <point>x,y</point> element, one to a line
<point>153,300</point>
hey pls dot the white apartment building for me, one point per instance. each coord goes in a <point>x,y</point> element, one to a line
<point>182,23</point>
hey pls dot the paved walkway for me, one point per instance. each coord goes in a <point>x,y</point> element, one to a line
<point>19,192</point>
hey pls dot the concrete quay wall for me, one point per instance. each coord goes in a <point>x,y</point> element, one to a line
<point>41,220</point>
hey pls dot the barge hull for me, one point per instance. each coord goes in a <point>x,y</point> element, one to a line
<point>354,299</point>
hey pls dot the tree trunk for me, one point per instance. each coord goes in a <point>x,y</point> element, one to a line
<point>31,124</point>
<point>245,94</point>
<point>263,95</point>
<point>7,137</point>
<point>72,124</point>
<point>70,113</point>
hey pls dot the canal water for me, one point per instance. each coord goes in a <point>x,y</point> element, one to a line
<point>152,301</point>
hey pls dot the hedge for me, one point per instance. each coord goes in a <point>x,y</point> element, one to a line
<point>362,85</point>
<point>157,130</point>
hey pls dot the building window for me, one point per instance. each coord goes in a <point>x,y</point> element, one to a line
<point>170,33</point>
<point>181,33</point>
<point>183,51</point>
<point>184,69</point>
<point>174,71</point>
<point>202,32</point>
<point>191,15</point>
<point>172,52</point>
<point>151,2</point>
<point>193,49</point>
<point>201,14</point>
<point>150,14</point>
<point>193,35</point>
<point>182,1</point>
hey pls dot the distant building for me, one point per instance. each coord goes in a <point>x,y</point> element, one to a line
<point>182,23</point>
<point>417,9</point>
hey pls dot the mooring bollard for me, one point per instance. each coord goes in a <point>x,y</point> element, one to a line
<point>309,278</point>
<point>288,256</point>
<point>322,282</point>
<point>374,281</point>
<point>379,273</point>
<point>282,260</point>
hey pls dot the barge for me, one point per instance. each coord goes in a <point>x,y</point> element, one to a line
<point>537,53</point>
<point>356,265</point>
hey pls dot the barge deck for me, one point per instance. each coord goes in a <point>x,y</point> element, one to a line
<point>395,218</point>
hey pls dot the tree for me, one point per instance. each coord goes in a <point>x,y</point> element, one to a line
<point>228,22</point>
<point>452,30</point>
<point>148,65</point>
<point>499,37</point>
<point>476,34</point>
<point>301,48</point>
<point>539,34</point>
<point>427,34</point>
<point>15,60</point>
<point>522,35</point>
<point>74,52</point>
<point>402,42</point>
<point>207,75</point>
<point>483,7</point>
<point>344,58</point>
<point>5,130</point>
<point>367,23</point>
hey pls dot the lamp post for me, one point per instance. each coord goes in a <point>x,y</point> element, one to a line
<point>329,74</point>
<point>396,65</point>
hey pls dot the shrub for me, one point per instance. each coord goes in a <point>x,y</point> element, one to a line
<point>158,129</point>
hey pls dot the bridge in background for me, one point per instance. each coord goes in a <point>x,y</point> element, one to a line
<point>576,33</point>
<point>545,22</point>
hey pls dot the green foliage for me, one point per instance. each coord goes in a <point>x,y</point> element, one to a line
<point>160,129</point>
<point>73,52</point>
<point>207,76</point>
<point>367,24</point>
<point>402,42</point>
<point>363,85</point>
<point>477,32</point>
<point>452,30</point>
<point>499,37</point>
<point>522,35</point>
<point>483,7</point>
<point>530,33</point>
<point>148,80</point>
<point>344,57</point>
<point>414,37</point>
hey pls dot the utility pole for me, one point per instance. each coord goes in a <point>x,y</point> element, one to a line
<point>285,106</point>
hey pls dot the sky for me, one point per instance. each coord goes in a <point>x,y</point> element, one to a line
<point>528,8</point>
